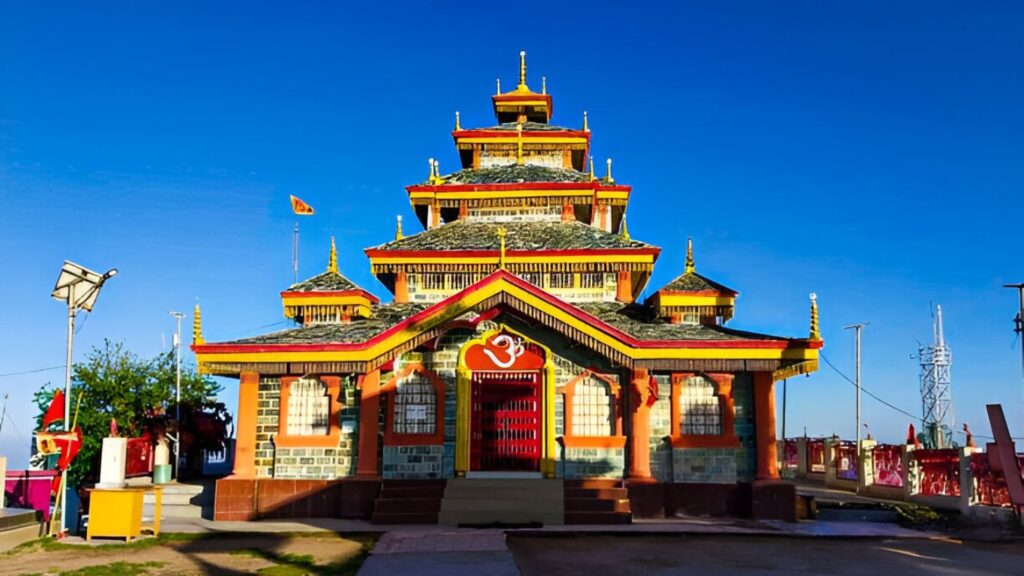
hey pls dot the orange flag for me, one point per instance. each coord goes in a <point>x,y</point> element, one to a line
<point>300,207</point>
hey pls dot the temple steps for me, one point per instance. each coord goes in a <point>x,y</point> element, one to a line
<point>408,502</point>
<point>480,501</point>
<point>193,499</point>
<point>597,501</point>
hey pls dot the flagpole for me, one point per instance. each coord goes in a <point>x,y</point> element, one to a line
<point>62,496</point>
<point>295,252</point>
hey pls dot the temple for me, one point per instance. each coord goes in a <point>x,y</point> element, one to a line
<point>515,359</point>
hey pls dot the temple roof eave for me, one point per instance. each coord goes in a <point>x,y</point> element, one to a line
<point>502,286</point>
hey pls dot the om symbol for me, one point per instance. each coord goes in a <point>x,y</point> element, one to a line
<point>512,347</point>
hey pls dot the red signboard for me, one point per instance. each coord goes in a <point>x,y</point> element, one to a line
<point>504,351</point>
<point>139,459</point>
<point>888,463</point>
<point>789,455</point>
<point>939,470</point>
<point>815,455</point>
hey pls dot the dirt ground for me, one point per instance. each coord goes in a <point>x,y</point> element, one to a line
<point>277,554</point>
<point>753,555</point>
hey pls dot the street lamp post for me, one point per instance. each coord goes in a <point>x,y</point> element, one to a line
<point>79,287</point>
<point>177,394</point>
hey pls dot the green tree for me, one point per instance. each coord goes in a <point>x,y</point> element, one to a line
<point>115,384</point>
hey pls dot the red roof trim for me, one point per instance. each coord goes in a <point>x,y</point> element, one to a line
<point>513,134</point>
<point>516,186</point>
<point>524,285</point>
<point>373,252</point>
<point>698,292</point>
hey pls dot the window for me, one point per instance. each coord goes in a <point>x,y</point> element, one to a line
<point>415,406</point>
<point>592,413</point>
<point>700,411</point>
<point>459,281</point>
<point>309,408</point>
<point>592,280</point>
<point>533,278</point>
<point>560,280</point>
<point>433,281</point>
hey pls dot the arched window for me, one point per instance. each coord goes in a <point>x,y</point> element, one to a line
<point>592,409</point>
<point>415,406</point>
<point>700,410</point>
<point>309,408</point>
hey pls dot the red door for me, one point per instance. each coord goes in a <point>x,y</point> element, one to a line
<point>506,421</point>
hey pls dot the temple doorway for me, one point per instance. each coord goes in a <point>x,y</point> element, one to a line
<point>506,421</point>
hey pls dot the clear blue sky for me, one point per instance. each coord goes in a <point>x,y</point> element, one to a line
<point>871,153</point>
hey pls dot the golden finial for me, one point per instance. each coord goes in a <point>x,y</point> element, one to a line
<point>197,326</point>
<point>815,332</point>
<point>398,227</point>
<point>519,143</point>
<point>543,84</point>
<point>690,267</point>
<point>502,232</point>
<point>332,262</point>
<point>522,70</point>
<point>609,177</point>
<point>586,123</point>
<point>437,172</point>
<point>499,86</point>
<point>457,125</point>
<point>430,163</point>
<point>625,230</point>
<point>591,162</point>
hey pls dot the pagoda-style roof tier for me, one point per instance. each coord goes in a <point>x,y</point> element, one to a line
<point>691,281</point>
<point>630,335</point>
<point>326,297</point>
<point>570,146</point>
<point>530,237</point>
<point>529,127</point>
<point>513,174</point>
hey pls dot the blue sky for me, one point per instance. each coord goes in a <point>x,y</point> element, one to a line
<point>871,155</point>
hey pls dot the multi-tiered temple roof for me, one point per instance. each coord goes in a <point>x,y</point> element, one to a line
<point>526,224</point>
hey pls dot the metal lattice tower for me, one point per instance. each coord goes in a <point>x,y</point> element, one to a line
<point>936,392</point>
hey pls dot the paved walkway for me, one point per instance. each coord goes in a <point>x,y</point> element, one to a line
<point>429,553</point>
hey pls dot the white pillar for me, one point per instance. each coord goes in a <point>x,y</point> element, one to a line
<point>112,463</point>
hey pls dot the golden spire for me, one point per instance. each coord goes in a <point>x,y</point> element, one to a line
<point>690,267</point>
<point>625,230</point>
<point>591,162</point>
<point>815,332</point>
<point>398,227</point>
<point>519,143</point>
<point>332,262</point>
<point>437,172</point>
<point>609,177</point>
<point>586,124</point>
<point>543,84</point>
<point>457,125</point>
<point>522,71</point>
<point>502,232</point>
<point>430,163</point>
<point>197,326</point>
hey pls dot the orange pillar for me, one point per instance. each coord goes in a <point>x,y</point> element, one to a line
<point>764,425</point>
<point>624,287</point>
<point>640,394</point>
<point>568,213</point>
<point>245,433</point>
<point>369,408</point>
<point>401,287</point>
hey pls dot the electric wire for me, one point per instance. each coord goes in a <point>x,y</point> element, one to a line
<point>31,371</point>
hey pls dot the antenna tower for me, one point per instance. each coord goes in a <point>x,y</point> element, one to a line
<point>936,391</point>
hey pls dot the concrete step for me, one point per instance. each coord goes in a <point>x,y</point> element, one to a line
<point>505,483</point>
<point>178,511</point>
<point>411,505</point>
<point>600,493</point>
<point>484,517</point>
<point>541,505</point>
<point>596,505</point>
<point>593,483</point>
<point>598,518</point>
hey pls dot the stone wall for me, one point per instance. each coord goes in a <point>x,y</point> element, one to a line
<point>743,397</point>
<point>305,463</point>
<point>592,463</point>
<point>704,465</point>
<point>661,426</point>
<point>269,398</point>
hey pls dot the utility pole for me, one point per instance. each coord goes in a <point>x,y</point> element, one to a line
<point>177,394</point>
<point>857,329</point>
<point>1018,327</point>
<point>4,413</point>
